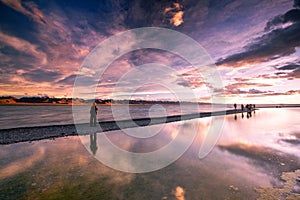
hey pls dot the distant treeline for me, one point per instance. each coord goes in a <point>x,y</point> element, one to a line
<point>54,100</point>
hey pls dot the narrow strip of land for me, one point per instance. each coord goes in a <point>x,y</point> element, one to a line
<point>15,135</point>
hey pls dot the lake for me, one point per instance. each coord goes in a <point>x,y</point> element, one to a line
<point>247,162</point>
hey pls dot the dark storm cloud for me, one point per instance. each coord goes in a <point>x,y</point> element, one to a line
<point>144,13</point>
<point>69,80</point>
<point>61,33</point>
<point>46,41</point>
<point>12,74</point>
<point>40,75</point>
<point>182,15</point>
<point>140,13</point>
<point>290,16</point>
<point>289,67</point>
<point>9,16</point>
<point>297,3</point>
<point>279,42</point>
<point>281,73</point>
<point>274,22</point>
<point>295,73</point>
<point>52,35</point>
<point>81,80</point>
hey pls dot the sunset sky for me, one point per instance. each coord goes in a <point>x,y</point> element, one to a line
<point>255,45</point>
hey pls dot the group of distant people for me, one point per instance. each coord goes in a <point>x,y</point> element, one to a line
<point>248,108</point>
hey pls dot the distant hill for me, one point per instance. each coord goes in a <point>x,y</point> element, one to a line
<point>40,100</point>
<point>8,100</point>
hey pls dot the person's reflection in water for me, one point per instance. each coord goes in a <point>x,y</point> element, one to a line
<point>235,117</point>
<point>249,114</point>
<point>93,142</point>
<point>242,115</point>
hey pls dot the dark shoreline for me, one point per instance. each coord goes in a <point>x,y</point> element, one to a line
<point>27,134</point>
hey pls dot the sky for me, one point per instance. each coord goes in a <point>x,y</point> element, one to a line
<point>254,46</point>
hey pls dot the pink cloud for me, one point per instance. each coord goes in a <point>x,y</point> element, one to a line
<point>176,13</point>
<point>24,46</point>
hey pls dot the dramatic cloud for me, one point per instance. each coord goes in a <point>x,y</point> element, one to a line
<point>43,44</point>
<point>23,46</point>
<point>289,67</point>
<point>177,18</point>
<point>41,76</point>
<point>69,80</point>
<point>27,8</point>
<point>293,68</point>
<point>291,16</point>
<point>179,193</point>
<point>277,43</point>
<point>290,92</point>
<point>296,3</point>
<point>280,39</point>
<point>241,88</point>
<point>295,73</point>
<point>176,14</point>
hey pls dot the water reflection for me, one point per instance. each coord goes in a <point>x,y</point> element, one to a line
<point>93,142</point>
<point>249,114</point>
<point>29,158</point>
<point>250,154</point>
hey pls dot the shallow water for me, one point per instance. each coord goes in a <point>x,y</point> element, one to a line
<point>28,116</point>
<point>251,153</point>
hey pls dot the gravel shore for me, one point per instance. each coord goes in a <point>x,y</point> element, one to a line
<point>24,134</point>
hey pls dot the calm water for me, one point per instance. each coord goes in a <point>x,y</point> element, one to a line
<point>250,154</point>
<point>27,116</point>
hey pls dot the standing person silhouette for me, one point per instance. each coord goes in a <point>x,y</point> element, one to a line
<point>93,112</point>
<point>234,106</point>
